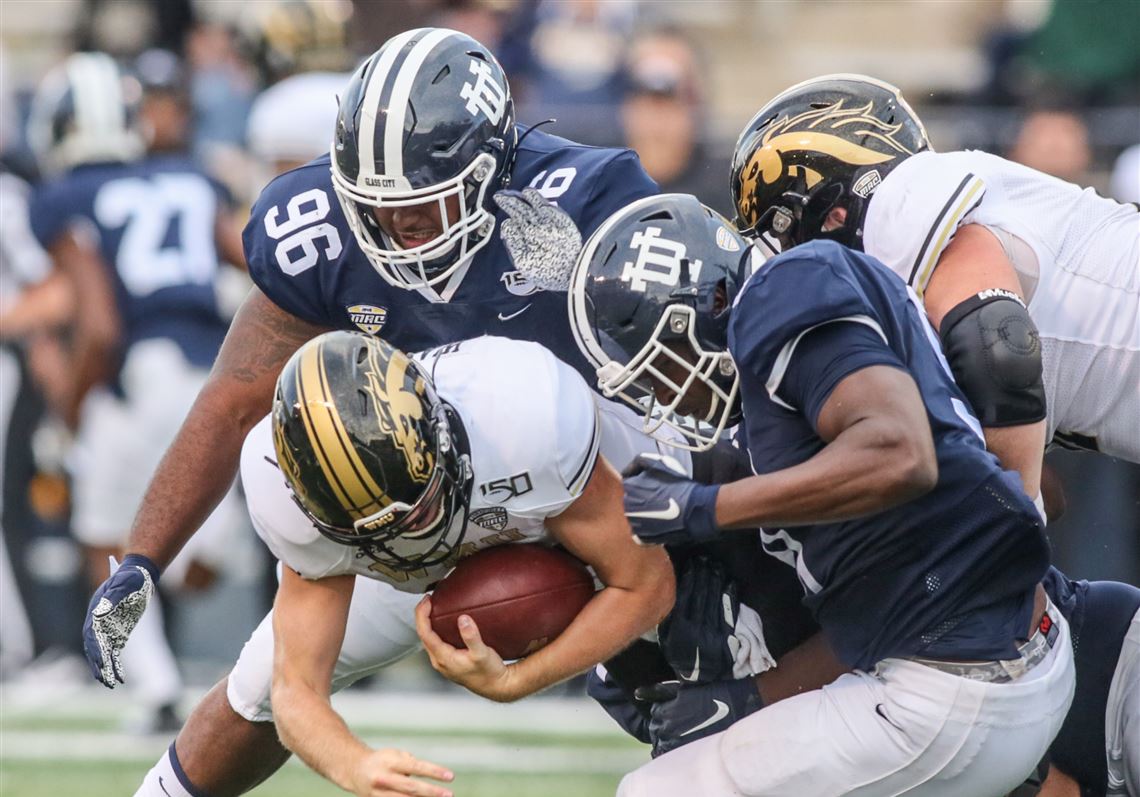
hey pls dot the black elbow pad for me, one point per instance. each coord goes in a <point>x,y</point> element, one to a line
<point>994,353</point>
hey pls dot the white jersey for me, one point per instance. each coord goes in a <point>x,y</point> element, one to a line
<point>533,430</point>
<point>1077,255</point>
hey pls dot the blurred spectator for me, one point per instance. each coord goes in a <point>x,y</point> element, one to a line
<point>1055,142</point>
<point>124,27</point>
<point>222,86</point>
<point>287,37</point>
<point>578,48</point>
<point>662,116</point>
<point>1125,182</point>
<point>165,114</point>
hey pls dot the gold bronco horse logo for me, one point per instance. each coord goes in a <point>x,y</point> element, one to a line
<point>807,133</point>
<point>400,411</point>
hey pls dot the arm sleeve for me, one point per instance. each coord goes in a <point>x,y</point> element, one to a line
<point>916,212</point>
<point>822,357</point>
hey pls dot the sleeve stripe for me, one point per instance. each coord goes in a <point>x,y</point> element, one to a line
<point>785,356</point>
<point>964,199</point>
<point>586,467</point>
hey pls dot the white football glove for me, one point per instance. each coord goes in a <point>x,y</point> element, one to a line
<point>541,238</point>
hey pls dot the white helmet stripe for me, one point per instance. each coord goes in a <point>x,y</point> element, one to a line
<point>371,103</point>
<point>98,95</point>
<point>401,92</point>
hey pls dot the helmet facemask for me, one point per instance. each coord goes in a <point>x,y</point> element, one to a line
<point>428,532</point>
<point>436,260</point>
<point>673,359</point>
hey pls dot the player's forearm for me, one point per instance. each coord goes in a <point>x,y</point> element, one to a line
<point>310,728</point>
<point>868,468</point>
<point>612,620</point>
<point>1020,448</point>
<point>195,473</point>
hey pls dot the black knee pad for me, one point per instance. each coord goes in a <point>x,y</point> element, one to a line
<point>994,352</point>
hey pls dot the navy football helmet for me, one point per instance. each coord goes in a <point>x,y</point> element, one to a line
<point>650,299</point>
<point>373,457</point>
<point>823,144</point>
<point>427,118</point>
<point>84,112</point>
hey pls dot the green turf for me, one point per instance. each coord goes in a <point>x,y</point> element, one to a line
<point>93,779</point>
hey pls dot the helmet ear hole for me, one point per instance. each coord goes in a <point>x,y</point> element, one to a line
<point>720,297</point>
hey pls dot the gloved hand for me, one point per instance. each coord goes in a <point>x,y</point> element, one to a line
<point>664,506</point>
<point>709,635</point>
<point>114,612</point>
<point>541,238</point>
<point>615,701</point>
<point>682,713</point>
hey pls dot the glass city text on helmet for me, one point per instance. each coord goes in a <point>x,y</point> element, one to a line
<point>425,136</point>
<point>649,300</point>
<point>808,162</point>
<point>373,457</point>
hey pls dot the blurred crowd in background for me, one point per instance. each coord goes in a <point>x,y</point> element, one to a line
<point>1054,85</point>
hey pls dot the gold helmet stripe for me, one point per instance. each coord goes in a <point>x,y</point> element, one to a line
<point>342,467</point>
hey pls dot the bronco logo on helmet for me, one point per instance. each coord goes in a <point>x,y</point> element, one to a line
<point>824,144</point>
<point>399,410</point>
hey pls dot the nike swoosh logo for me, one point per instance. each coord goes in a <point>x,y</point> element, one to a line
<point>696,673</point>
<point>162,786</point>
<point>720,713</point>
<point>515,314</point>
<point>670,512</point>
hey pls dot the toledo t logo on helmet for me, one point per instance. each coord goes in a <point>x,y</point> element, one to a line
<point>399,410</point>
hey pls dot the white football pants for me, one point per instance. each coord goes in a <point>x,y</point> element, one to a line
<point>903,729</point>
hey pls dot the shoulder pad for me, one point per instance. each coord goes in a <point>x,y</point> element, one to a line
<point>915,213</point>
<point>296,230</point>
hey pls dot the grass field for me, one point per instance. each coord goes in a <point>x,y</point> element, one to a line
<point>555,747</point>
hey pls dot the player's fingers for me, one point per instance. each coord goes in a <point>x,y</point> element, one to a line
<point>512,204</point>
<point>471,637</point>
<point>535,199</point>
<point>433,642</point>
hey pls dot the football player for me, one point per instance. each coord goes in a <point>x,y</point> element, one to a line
<point>138,240</point>
<point>378,470</point>
<point>395,232</point>
<point>1031,282</point>
<point>920,558</point>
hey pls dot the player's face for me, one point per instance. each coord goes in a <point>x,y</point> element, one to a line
<point>416,225</point>
<point>835,220</point>
<point>698,398</point>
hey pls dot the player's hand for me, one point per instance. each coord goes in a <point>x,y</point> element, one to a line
<point>633,717</point>
<point>541,238</point>
<point>710,635</point>
<point>477,667</point>
<point>682,713</point>
<point>388,773</point>
<point>114,611</point>
<point>664,506</point>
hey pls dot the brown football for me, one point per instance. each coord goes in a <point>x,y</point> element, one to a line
<point>520,597</point>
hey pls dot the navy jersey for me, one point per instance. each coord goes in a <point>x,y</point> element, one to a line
<point>948,575</point>
<point>304,257</point>
<point>154,223</point>
<point>1099,615</point>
